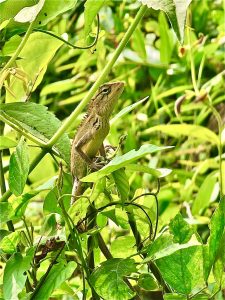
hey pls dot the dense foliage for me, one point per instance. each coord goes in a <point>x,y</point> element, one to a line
<point>150,224</point>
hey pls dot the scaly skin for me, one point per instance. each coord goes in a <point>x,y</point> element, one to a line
<point>89,138</point>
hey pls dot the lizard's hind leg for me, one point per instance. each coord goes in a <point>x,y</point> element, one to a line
<point>76,190</point>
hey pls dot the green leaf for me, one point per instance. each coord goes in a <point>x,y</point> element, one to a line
<point>107,280</point>
<point>79,209</point>
<point>90,12</point>
<point>158,173</point>
<point>138,43</point>
<point>58,274</point>
<point>147,282</point>
<point>121,161</point>
<point>205,193</point>
<point>49,227</point>
<point>29,14</point>
<point>175,10</point>
<point>174,297</point>
<point>180,229</point>
<point>126,110</point>
<point>10,8</point>
<point>18,168</point>
<point>51,202</point>
<point>216,226</point>
<point>166,40</point>
<point>9,243</point>
<point>32,64</point>
<point>183,269</point>
<point>123,246</point>
<point>162,242</point>
<point>189,130</point>
<point>14,275</point>
<point>122,184</point>
<point>6,212</point>
<point>20,203</point>
<point>6,143</point>
<point>218,267</point>
<point>38,121</point>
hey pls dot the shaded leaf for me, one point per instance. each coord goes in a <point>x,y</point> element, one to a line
<point>19,168</point>
<point>121,161</point>
<point>107,280</point>
<point>58,274</point>
<point>122,184</point>
<point>147,282</point>
<point>51,202</point>
<point>38,121</point>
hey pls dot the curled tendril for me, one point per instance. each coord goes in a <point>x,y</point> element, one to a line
<point>157,206</point>
<point>70,44</point>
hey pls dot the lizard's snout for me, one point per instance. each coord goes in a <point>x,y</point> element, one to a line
<point>119,85</point>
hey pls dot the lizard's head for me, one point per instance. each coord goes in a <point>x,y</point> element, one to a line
<point>107,96</point>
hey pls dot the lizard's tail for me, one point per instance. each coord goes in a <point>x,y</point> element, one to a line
<point>76,190</point>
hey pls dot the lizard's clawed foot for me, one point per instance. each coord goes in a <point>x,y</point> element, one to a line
<point>97,165</point>
<point>109,148</point>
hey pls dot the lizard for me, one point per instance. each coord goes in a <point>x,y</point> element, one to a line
<point>94,128</point>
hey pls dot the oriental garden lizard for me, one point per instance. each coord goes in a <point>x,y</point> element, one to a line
<point>91,133</point>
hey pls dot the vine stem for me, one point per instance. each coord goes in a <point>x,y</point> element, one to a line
<point>100,80</point>
<point>19,49</point>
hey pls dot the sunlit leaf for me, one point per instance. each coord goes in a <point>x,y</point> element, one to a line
<point>90,12</point>
<point>185,271</point>
<point>38,121</point>
<point>14,275</point>
<point>9,243</point>
<point>189,130</point>
<point>217,227</point>
<point>180,229</point>
<point>121,161</point>
<point>175,10</point>
<point>29,14</point>
<point>6,143</point>
<point>205,193</point>
<point>108,279</point>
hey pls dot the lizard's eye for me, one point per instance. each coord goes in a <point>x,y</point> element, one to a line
<point>106,90</point>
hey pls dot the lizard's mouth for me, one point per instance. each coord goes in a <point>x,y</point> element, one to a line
<point>119,86</point>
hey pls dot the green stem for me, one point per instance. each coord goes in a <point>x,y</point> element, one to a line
<point>220,146</point>
<point>100,80</point>
<point>19,49</point>
<point>193,74</point>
